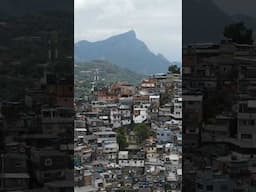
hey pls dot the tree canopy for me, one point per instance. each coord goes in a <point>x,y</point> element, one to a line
<point>142,132</point>
<point>174,69</point>
<point>121,139</point>
<point>239,33</point>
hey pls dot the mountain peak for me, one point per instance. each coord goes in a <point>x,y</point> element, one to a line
<point>127,35</point>
<point>124,50</point>
<point>131,33</point>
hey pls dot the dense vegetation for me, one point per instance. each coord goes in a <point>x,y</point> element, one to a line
<point>107,73</point>
<point>142,132</point>
<point>174,69</point>
<point>121,139</point>
<point>239,33</point>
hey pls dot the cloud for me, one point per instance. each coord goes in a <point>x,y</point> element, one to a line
<point>157,23</point>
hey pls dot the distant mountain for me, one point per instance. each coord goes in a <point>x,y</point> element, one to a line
<point>124,50</point>
<point>107,74</point>
<point>204,21</point>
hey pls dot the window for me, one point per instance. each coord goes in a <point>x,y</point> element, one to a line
<point>100,184</point>
<point>48,162</point>
<point>18,164</point>
<point>46,114</point>
<point>243,108</point>
<point>246,136</point>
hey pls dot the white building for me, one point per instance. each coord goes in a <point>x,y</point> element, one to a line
<point>172,158</point>
<point>126,160</point>
<point>126,116</point>
<point>140,113</point>
<point>105,137</point>
<point>154,99</point>
<point>177,108</point>
<point>115,117</point>
<point>110,150</point>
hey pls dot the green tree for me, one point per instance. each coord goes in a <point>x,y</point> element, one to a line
<point>121,139</point>
<point>174,69</point>
<point>239,33</point>
<point>142,132</point>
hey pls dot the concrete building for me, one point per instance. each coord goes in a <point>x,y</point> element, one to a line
<point>164,135</point>
<point>140,113</point>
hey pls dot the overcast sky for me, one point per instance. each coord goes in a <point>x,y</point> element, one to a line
<point>157,23</point>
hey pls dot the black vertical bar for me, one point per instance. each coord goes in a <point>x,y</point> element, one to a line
<point>219,72</point>
<point>36,95</point>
